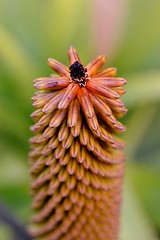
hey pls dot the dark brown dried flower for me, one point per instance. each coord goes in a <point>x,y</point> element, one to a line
<point>77,163</point>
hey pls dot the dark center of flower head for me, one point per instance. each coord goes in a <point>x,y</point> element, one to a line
<point>78,73</point>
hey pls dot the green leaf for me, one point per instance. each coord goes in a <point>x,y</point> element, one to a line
<point>146,182</point>
<point>141,40</point>
<point>135,224</point>
<point>142,88</point>
<point>14,184</point>
<point>138,125</point>
<point>17,62</point>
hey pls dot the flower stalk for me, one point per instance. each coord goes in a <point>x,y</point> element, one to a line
<point>77,160</point>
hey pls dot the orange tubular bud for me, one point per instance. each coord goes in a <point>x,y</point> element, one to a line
<point>77,163</point>
<point>72,55</point>
<point>108,72</point>
<point>60,68</point>
<point>51,83</point>
<point>95,65</point>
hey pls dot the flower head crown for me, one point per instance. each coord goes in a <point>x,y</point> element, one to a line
<point>77,162</point>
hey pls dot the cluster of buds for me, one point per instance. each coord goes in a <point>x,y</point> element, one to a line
<point>77,160</point>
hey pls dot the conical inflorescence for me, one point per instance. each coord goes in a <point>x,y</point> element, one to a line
<point>77,160</point>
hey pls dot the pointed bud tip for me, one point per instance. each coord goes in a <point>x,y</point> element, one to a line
<point>50,60</point>
<point>103,57</point>
<point>71,47</point>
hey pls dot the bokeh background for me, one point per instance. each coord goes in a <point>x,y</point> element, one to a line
<point>127,32</point>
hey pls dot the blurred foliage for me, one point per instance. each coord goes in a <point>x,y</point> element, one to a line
<point>32,31</point>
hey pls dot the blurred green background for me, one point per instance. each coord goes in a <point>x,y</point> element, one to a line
<point>127,32</point>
